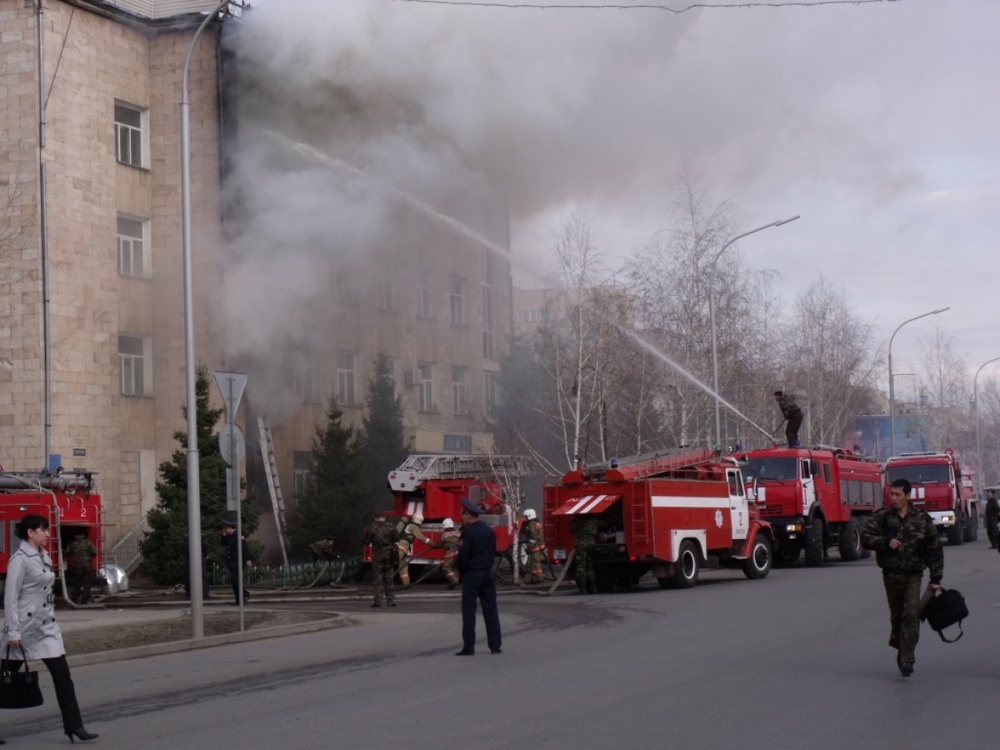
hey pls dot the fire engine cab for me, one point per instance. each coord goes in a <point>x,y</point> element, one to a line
<point>668,514</point>
<point>814,498</point>
<point>942,487</point>
<point>433,486</point>
<point>68,500</point>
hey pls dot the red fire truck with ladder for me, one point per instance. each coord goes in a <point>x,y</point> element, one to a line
<point>68,500</point>
<point>942,487</point>
<point>433,485</point>
<point>814,498</point>
<point>668,514</point>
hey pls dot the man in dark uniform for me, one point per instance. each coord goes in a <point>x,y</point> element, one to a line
<point>905,541</point>
<point>475,563</point>
<point>584,529</point>
<point>81,569</point>
<point>382,536</point>
<point>230,541</point>
<point>793,416</point>
<point>992,516</point>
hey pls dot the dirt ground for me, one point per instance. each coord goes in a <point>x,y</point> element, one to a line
<point>112,637</point>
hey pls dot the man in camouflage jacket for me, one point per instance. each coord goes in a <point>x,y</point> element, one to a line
<point>905,542</point>
<point>793,417</point>
<point>382,537</point>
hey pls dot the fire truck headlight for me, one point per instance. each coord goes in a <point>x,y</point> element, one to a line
<point>793,528</point>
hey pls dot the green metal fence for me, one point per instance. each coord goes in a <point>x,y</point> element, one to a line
<point>309,575</point>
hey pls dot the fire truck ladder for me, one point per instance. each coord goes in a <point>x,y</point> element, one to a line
<point>273,486</point>
<point>435,466</point>
<point>652,464</point>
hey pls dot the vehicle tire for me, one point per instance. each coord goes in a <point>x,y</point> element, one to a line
<point>956,532</point>
<point>758,565</point>
<point>687,565</point>
<point>789,552</point>
<point>972,525</point>
<point>815,544</point>
<point>523,558</point>
<point>850,540</point>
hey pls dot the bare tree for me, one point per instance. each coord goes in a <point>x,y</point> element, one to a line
<point>945,376</point>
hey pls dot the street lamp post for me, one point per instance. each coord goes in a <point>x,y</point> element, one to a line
<point>975,396</point>
<point>711,316</point>
<point>193,488</point>
<point>892,393</point>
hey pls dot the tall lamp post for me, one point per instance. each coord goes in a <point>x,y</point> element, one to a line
<point>892,392</point>
<point>193,487</point>
<point>975,396</point>
<point>711,316</point>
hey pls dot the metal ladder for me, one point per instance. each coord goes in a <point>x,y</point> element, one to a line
<point>273,485</point>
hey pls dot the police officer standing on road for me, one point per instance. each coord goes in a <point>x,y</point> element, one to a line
<point>992,516</point>
<point>905,541</point>
<point>793,416</point>
<point>475,563</point>
<point>230,542</point>
<point>382,536</point>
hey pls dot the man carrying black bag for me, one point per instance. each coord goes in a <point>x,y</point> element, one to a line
<point>905,542</point>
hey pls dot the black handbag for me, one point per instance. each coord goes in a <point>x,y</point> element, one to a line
<point>945,609</point>
<point>18,688</point>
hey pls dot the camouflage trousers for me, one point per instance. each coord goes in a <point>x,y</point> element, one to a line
<point>585,577</point>
<point>902,591</point>
<point>383,572</point>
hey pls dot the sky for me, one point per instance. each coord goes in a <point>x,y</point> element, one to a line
<point>876,122</point>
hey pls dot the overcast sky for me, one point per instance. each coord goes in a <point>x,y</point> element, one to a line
<point>877,122</point>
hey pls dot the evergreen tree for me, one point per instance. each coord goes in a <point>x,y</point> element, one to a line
<point>384,446</point>
<point>336,499</point>
<point>168,521</point>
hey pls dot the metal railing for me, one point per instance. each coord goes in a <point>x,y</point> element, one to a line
<point>125,552</point>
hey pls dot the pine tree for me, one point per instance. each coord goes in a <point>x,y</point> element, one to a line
<point>384,445</point>
<point>336,499</point>
<point>168,521</point>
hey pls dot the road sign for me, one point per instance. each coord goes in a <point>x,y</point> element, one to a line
<point>232,444</point>
<point>231,385</point>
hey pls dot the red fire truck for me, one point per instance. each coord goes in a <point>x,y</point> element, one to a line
<point>68,500</point>
<point>942,487</point>
<point>668,514</point>
<point>433,486</point>
<point>814,498</point>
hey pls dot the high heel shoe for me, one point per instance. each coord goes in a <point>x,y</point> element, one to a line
<point>81,734</point>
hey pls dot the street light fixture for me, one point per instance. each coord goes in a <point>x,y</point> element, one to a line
<point>975,396</point>
<point>193,487</point>
<point>892,392</point>
<point>711,316</point>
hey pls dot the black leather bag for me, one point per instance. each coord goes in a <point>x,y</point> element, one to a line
<point>945,609</point>
<point>18,688</point>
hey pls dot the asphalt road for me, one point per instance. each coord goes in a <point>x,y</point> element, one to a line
<point>798,660</point>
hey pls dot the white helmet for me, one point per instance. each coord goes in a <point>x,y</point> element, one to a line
<point>530,514</point>
<point>447,524</point>
<point>418,518</point>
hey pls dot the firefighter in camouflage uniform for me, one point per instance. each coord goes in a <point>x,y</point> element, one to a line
<point>80,572</point>
<point>905,542</point>
<point>584,529</point>
<point>382,537</point>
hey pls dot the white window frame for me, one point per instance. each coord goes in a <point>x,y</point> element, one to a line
<point>133,249</point>
<point>425,391</point>
<point>135,366</point>
<point>424,295</point>
<point>459,391</point>
<point>456,297</point>
<point>490,394</point>
<point>346,362</point>
<point>385,293</point>
<point>302,376</point>
<point>131,140</point>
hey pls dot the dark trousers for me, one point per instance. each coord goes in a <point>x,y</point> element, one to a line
<point>792,430</point>
<point>478,585</point>
<point>902,591</point>
<point>65,692</point>
<point>234,575</point>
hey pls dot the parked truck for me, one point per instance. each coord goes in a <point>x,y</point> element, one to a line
<point>943,487</point>
<point>668,514</point>
<point>68,500</point>
<point>814,499</point>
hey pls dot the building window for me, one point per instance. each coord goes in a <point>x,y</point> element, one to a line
<point>346,292</point>
<point>528,316</point>
<point>425,395</point>
<point>424,296</point>
<point>345,378</point>
<point>302,377</point>
<point>134,359</point>
<point>385,293</point>
<point>457,302</point>
<point>459,397</point>
<point>302,466</point>
<point>133,257</point>
<point>130,125</point>
<point>490,388</point>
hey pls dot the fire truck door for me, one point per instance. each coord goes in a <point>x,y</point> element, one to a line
<point>738,511</point>
<point>808,487</point>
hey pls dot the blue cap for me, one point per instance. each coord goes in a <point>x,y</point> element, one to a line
<point>471,507</point>
<point>230,523</point>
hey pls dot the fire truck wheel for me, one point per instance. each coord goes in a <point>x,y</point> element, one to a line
<point>815,546</point>
<point>850,540</point>
<point>686,567</point>
<point>758,565</point>
<point>956,531</point>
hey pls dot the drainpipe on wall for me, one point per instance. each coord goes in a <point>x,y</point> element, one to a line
<point>44,239</point>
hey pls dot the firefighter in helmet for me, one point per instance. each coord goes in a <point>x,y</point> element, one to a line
<point>534,544</point>
<point>409,532</point>
<point>449,541</point>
